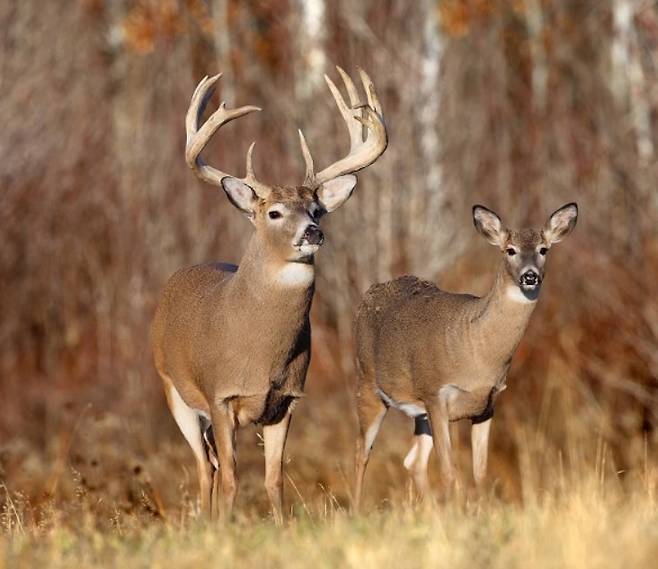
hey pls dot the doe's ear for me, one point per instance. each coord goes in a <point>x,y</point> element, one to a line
<point>489,225</point>
<point>240,195</point>
<point>561,223</point>
<point>336,192</point>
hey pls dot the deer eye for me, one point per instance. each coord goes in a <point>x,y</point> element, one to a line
<point>543,251</point>
<point>511,252</point>
<point>275,214</point>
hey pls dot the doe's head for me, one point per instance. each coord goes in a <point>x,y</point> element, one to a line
<point>525,251</point>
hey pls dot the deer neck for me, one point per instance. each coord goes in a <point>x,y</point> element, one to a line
<point>266,278</point>
<point>502,317</point>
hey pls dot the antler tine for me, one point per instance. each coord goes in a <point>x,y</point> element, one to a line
<point>353,128</point>
<point>198,102</point>
<point>250,178</point>
<point>250,175</point>
<point>198,137</point>
<point>309,174</point>
<point>349,85</point>
<point>362,152</point>
<point>373,100</point>
<point>356,136</point>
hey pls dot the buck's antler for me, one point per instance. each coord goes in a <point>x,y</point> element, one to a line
<point>357,115</point>
<point>198,137</point>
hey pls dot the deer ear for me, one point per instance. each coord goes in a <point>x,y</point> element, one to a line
<point>561,223</point>
<point>240,195</point>
<point>489,225</point>
<point>336,192</point>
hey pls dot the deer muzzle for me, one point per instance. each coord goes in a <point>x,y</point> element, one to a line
<point>310,241</point>
<point>313,235</point>
<point>529,279</point>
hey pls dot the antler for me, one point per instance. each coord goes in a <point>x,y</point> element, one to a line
<point>198,137</point>
<point>357,116</point>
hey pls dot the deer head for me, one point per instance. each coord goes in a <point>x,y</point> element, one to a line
<point>286,218</point>
<point>525,251</point>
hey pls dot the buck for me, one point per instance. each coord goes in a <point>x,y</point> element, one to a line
<point>429,352</point>
<point>232,344</point>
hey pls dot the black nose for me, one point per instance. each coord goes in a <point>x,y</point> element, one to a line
<point>313,235</point>
<point>529,278</point>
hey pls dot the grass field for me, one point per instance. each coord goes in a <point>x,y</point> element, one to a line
<point>548,506</point>
<point>587,525</point>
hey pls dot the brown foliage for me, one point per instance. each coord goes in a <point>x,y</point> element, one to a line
<point>97,209</point>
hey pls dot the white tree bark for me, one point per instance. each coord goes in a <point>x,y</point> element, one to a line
<point>311,36</point>
<point>628,79</point>
<point>429,227</point>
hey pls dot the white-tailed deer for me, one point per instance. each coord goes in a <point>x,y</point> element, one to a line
<point>429,352</point>
<point>232,344</point>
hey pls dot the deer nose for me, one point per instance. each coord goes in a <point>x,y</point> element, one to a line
<point>529,278</point>
<point>313,235</point>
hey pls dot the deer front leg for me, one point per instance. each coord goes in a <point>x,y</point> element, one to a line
<point>274,437</point>
<point>439,418</point>
<point>371,411</point>
<point>223,423</point>
<point>479,449</point>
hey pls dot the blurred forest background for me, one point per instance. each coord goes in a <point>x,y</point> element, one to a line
<point>521,105</point>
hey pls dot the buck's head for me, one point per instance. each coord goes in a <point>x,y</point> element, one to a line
<point>286,218</point>
<point>525,251</point>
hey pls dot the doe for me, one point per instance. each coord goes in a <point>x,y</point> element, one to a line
<point>429,352</point>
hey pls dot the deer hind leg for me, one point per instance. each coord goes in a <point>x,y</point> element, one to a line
<point>371,411</point>
<point>479,448</point>
<point>225,480</point>
<point>189,423</point>
<point>418,456</point>
<point>274,437</point>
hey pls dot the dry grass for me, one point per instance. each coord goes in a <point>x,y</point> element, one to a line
<point>589,522</point>
<point>113,503</point>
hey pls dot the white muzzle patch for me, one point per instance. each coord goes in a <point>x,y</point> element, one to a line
<point>307,249</point>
